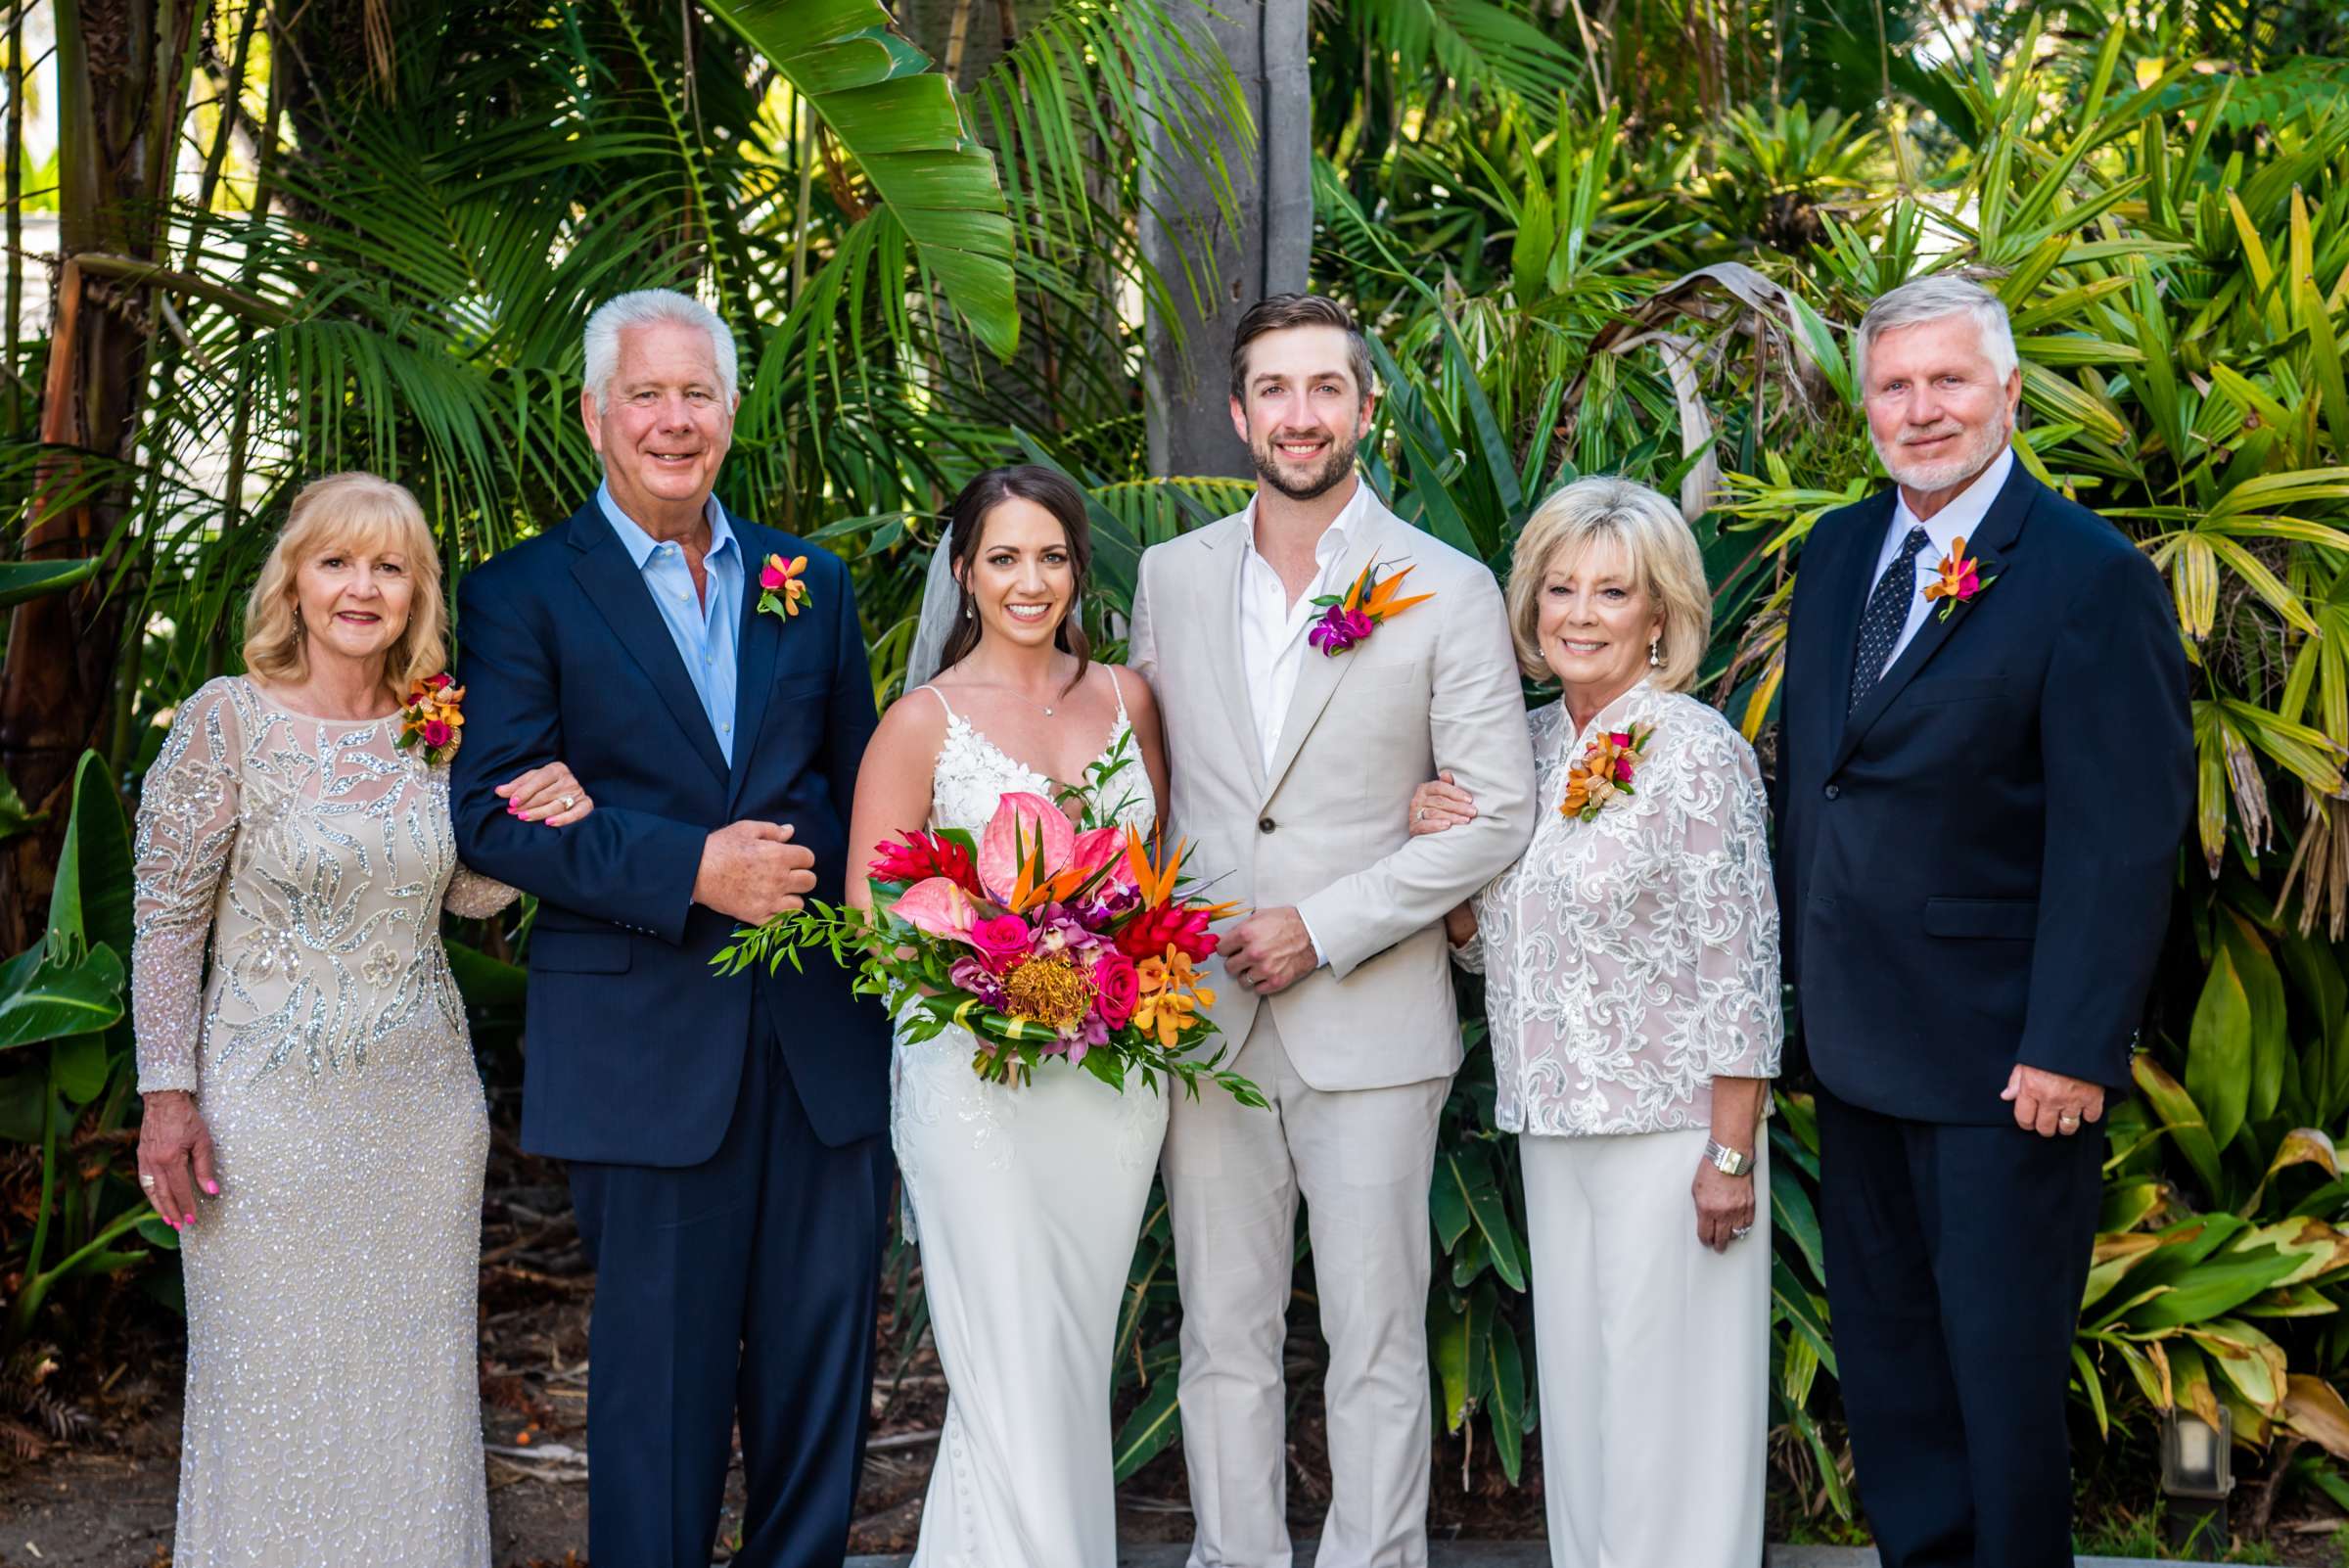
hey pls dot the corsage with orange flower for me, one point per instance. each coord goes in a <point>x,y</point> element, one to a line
<point>1350,618</point>
<point>1609,764</point>
<point>1041,937</point>
<point>1960,579</point>
<point>432,717</point>
<point>782,587</point>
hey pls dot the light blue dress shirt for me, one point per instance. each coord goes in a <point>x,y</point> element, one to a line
<point>703,628</point>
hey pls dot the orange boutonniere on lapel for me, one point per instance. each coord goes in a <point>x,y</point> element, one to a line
<point>783,588</point>
<point>1363,608</point>
<point>1960,579</point>
<point>1609,764</point>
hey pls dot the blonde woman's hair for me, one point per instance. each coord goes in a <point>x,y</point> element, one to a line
<point>1657,549</point>
<point>358,511</point>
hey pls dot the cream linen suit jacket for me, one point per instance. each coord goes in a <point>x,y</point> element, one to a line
<point>1325,829</point>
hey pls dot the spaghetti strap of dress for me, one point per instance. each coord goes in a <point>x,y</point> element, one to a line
<point>1117,686</point>
<point>942,700</point>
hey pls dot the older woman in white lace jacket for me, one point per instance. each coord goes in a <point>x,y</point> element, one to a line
<point>1632,985</point>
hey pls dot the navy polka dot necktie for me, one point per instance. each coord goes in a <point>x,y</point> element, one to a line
<point>1887,612</point>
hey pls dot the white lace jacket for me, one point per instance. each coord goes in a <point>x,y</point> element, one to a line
<point>1631,960</point>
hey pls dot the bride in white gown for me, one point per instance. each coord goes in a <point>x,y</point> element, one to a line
<point>1026,1199</point>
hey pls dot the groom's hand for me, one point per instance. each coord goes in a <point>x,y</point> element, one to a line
<point>754,872</point>
<point>1270,950</point>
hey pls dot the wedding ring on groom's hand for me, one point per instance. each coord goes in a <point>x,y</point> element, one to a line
<point>1740,1232</point>
<point>2068,1122</point>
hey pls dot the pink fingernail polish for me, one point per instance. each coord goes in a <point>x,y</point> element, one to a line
<point>212,1189</point>
<point>189,1220</point>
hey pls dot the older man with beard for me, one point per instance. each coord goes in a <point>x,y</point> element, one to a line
<point>1294,740</point>
<point>1985,766</point>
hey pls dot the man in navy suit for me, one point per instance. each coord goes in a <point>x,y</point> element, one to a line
<point>724,1136</point>
<point>1981,794</point>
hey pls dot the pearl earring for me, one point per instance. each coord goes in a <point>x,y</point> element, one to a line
<point>1654,662</point>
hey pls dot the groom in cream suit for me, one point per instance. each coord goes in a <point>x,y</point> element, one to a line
<point>1293,769</point>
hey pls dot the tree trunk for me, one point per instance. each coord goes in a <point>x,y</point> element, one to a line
<point>1187,387</point>
<point>123,73</point>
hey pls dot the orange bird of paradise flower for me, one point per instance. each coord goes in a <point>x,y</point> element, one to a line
<point>1368,605</point>
<point>1157,874</point>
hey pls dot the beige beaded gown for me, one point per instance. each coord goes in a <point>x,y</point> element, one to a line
<point>333,1405</point>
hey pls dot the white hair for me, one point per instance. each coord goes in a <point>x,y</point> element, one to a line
<point>1937,299</point>
<point>643,307</point>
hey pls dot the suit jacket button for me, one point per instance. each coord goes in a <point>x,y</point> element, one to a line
<point>1265,824</point>
<point>1833,790</point>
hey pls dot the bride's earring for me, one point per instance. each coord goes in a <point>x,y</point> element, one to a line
<point>1653,662</point>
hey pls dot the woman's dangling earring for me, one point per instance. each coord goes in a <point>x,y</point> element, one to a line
<point>1653,662</point>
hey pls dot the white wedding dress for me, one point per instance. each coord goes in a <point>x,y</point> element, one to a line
<point>1027,1201</point>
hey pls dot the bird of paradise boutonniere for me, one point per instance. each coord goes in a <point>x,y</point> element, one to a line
<point>1041,937</point>
<point>1350,618</point>
<point>1608,767</point>
<point>432,717</point>
<point>1960,579</point>
<point>783,589</point>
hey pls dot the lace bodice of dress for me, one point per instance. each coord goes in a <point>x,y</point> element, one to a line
<point>314,857</point>
<point>973,773</point>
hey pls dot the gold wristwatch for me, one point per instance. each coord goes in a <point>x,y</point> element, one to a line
<point>1727,1161</point>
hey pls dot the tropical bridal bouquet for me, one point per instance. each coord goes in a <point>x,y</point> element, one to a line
<point>1042,937</point>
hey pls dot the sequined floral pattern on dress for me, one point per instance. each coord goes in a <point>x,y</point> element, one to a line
<point>333,1410</point>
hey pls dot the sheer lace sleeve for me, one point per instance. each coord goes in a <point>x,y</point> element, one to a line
<point>474,897</point>
<point>186,826</point>
<point>1726,864</point>
<point>1470,954</point>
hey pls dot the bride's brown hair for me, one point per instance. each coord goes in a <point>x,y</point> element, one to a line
<point>1057,495</point>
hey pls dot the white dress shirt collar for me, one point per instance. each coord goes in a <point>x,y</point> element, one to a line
<point>1961,519</point>
<point>1333,539</point>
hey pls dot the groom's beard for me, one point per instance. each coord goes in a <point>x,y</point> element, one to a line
<point>1317,481</point>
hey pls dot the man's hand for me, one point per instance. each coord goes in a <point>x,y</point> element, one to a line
<point>2051,1105</point>
<point>754,872</point>
<point>1270,951</point>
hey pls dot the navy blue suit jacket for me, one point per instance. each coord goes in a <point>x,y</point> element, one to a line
<point>635,1048</point>
<point>1975,867</point>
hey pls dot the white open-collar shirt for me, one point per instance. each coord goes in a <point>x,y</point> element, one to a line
<point>1961,519</point>
<point>1272,631</point>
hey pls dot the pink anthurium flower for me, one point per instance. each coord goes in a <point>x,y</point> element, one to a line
<point>934,905</point>
<point>1030,855</point>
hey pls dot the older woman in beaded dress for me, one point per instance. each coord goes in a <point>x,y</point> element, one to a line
<point>314,1125</point>
<point>1632,984</point>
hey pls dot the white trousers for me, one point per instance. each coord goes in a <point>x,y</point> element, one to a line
<point>1653,1353</point>
<point>1363,1160</point>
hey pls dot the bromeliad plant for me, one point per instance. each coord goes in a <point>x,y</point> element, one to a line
<point>1042,938</point>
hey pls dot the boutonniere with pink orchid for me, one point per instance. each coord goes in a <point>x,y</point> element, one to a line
<point>432,717</point>
<point>1609,764</point>
<point>1960,579</point>
<point>783,588</point>
<point>1349,618</point>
